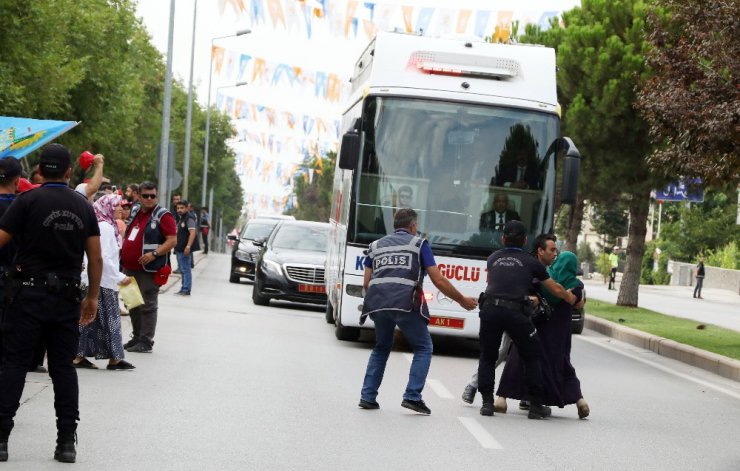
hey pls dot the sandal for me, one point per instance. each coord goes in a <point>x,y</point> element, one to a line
<point>85,363</point>
<point>121,366</point>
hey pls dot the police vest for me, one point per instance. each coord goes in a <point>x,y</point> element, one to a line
<point>153,237</point>
<point>397,273</point>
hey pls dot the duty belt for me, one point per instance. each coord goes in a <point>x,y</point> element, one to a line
<point>41,283</point>
<point>505,303</point>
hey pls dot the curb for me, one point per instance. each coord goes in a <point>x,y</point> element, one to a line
<point>175,278</point>
<point>712,362</point>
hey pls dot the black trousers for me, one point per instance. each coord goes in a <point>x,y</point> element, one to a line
<point>144,317</point>
<point>494,321</point>
<point>699,284</point>
<point>612,278</point>
<point>35,315</point>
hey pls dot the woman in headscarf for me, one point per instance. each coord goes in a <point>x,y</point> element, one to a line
<point>102,338</point>
<point>562,386</point>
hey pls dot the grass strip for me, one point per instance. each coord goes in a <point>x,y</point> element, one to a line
<point>709,337</point>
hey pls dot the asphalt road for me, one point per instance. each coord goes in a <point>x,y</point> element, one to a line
<point>232,386</point>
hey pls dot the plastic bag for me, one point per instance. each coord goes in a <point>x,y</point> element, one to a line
<point>131,295</point>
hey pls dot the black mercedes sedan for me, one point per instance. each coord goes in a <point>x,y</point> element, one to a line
<point>244,253</point>
<point>291,263</point>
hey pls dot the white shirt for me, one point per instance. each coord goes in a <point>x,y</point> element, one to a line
<point>111,257</point>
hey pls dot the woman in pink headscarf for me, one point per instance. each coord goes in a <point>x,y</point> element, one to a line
<point>102,338</point>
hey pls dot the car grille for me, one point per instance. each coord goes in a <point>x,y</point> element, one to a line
<point>305,274</point>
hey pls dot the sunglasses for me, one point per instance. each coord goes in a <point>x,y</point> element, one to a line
<point>148,196</point>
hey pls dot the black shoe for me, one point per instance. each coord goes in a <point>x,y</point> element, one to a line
<point>38,369</point>
<point>416,406</point>
<point>85,363</point>
<point>487,409</point>
<point>130,343</point>
<point>370,405</point>
<point>141,347</point>
<point>120,366</point>
<point>65,453</point>
<point>524,405</point>
<point>468,396</point>
<point>3,451</point>
<point>538,412</point>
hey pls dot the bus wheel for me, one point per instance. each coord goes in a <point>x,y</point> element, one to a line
<point>349,334</point>
<point>329,312</point>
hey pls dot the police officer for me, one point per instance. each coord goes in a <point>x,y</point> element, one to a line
<point>394,272</point>
<point>52,226</point>
<point>10,173</point>
<point>504,308</point>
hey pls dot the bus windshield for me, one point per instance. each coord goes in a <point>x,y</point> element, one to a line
<point>465,168</point>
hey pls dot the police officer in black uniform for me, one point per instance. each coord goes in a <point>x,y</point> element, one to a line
<point>52,226</point>
<point>10,173</point>
<point>505,307</point>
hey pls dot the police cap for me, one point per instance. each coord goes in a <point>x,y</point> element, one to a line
<point>9,168</point>
<point>514,229</point>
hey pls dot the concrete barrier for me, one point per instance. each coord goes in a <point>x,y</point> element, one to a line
<point>720,278</point>
<point>712,362</point>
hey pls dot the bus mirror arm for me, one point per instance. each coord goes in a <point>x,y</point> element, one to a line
<point>571,169</point>
<point>349,153</point>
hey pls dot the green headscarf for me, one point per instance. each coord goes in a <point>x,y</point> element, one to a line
<point>564,272</point>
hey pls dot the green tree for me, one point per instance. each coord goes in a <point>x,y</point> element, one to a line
<point>609,219</point>
<point>93,62</point>
<point>692,102</point>
<point>600,56</point>
<point>314,195</point>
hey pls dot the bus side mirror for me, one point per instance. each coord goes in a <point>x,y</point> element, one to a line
<point>349,153</point>
<point>571,171</point>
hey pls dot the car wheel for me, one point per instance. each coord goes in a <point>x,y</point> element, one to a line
<point>258,298</point>
<point>234,278</point>
<point>329,312</point>
<point>349,334</point>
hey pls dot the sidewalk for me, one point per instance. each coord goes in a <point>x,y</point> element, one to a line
<point>719,307</point>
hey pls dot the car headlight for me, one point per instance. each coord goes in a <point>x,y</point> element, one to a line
<point>272,267</point>
<point>243,256</point>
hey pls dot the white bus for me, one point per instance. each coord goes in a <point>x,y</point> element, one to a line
<point>464,132</point>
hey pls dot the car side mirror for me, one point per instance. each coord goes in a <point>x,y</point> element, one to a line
<point>571,171</point>
<point>349,153</point>
<point>259,242</point>
<point>232,237</point>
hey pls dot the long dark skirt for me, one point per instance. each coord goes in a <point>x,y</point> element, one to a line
<point>102,337</point>
<point>561,383</point>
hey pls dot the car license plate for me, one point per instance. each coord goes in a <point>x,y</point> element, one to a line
<point>312,289</point>
<point>447,322</point>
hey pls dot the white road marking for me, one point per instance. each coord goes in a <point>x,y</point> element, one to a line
<point>485,439</point>
<point>439,389</point>
<point>660,367</point>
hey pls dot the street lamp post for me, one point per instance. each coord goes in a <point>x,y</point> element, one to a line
<point>208,114</point>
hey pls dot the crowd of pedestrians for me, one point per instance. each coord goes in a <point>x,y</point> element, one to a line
<point>64,255</point>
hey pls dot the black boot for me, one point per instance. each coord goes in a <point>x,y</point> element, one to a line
<point>66,439</point>
<point>4,434</point>
<point>487,408</point>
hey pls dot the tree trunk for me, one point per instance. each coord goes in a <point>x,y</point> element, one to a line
<point>639,207</point>
<point>574,225</point>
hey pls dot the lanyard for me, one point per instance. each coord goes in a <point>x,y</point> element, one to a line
<point>7,197</point>
<point>54,185</point>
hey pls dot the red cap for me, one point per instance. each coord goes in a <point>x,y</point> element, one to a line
<point>25,185</point>
<point>86,160</point>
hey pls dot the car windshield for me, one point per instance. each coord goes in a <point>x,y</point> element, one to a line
<point>258,230</point>
<point>312,239</point>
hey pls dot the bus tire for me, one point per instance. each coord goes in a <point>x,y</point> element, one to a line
<point>348,334</point>
<point>329,312</point>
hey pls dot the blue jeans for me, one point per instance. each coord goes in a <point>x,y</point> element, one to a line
<point>183,263</point>
<point>414,329</point>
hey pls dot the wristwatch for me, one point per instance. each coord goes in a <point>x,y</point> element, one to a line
<point>154,252</point>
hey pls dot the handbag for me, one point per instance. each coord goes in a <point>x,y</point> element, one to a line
<point>131,295</point>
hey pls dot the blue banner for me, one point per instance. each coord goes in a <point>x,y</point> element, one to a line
<point>21,136</point>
